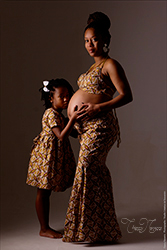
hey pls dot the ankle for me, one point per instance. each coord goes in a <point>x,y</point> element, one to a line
<point>44,228</point>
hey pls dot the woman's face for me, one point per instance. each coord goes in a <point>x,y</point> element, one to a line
<point>93,43</point>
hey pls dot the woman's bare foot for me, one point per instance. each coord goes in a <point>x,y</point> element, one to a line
<point>50,233</point>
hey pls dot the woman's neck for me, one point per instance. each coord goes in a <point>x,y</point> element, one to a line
<point>99,59</point>
<point>97,63</point>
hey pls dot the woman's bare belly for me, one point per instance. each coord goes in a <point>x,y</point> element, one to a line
<point>81,97</point>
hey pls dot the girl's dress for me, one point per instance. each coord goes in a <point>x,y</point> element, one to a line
<point>52,164</point>
<point>91,214</point>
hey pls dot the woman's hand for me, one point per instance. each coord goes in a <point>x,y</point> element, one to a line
<point>87,111</point>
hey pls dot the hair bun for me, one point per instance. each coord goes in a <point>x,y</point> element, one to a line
<point>101,18</point>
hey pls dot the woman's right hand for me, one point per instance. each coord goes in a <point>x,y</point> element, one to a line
<point>88,111</point>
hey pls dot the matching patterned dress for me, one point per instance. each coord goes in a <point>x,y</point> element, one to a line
<point>52,163</point>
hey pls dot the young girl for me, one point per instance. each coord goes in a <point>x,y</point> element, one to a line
<point>52,164</point>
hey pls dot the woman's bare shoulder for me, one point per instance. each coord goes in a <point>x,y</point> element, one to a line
<point>112,65</point>
<point>111,62</point>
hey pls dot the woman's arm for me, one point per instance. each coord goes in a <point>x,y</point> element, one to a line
<point>117,75</point>
<point>115,72</point>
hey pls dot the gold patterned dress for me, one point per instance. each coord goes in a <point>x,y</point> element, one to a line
<point>91,213</point>
<point>52,164</point>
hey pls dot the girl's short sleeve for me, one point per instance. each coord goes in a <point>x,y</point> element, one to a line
<point>54,119</point>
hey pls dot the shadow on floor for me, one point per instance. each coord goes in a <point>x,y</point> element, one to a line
<point>139,228</point>
<point>142,228</point>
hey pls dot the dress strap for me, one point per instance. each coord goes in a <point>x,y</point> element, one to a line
<point>95,66</point>
<point>118,134</point>
<point>102,64</point>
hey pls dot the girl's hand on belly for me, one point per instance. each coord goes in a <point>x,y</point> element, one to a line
<point>88,111</point>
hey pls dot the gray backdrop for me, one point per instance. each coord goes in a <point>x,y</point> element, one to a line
<point>43,40</point>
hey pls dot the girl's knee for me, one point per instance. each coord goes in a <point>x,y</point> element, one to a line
<point>43,192</point>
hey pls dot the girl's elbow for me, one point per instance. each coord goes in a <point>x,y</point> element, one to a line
<point>61,138</point>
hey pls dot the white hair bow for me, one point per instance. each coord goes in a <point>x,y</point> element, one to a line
<point>45,83</point>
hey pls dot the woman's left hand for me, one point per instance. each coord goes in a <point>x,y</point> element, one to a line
<point>87,111</point>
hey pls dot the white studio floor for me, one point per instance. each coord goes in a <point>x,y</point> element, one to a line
<point>20,226</point>
<point>28,239</point>
<point>21,233</point>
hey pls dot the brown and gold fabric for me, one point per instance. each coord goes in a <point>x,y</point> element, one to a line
<point>52,163</point>
<point>91,214</point>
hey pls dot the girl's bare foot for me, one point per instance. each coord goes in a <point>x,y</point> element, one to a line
<point>50,233</point>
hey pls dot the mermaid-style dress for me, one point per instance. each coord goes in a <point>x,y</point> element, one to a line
<point>91,214</point>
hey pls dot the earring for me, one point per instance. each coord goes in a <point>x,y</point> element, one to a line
<point>105,48</point>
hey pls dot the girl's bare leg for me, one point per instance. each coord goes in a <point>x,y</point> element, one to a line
<point>42,209</point>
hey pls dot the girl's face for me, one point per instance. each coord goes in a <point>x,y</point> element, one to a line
<point>60,98</point>
<point>93,43</point>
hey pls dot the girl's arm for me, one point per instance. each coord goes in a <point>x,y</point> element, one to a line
<point>62,134</point>
<point>74,132</point>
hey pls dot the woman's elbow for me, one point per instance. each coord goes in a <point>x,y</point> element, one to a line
<point>128,97</point>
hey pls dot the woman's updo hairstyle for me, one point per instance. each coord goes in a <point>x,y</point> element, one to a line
<point>100,23</point>
<point>48,90</point>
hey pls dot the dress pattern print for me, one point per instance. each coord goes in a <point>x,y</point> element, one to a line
<point>52,164</point>
<point>91,213</point>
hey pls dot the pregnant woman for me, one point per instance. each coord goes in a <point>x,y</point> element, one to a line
<point>91,214</point>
